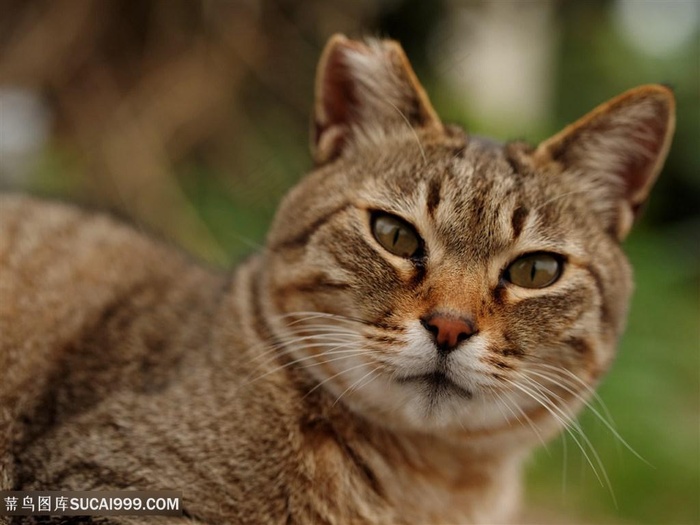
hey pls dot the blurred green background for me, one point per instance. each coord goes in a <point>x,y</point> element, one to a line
<point>190,118</point>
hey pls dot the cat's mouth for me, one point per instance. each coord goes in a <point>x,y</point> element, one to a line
<point>437,384</point>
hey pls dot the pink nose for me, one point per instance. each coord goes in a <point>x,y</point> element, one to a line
<point>448,331</point>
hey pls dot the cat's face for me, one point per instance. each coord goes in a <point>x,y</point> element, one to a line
<point>460,285</point>
<point>435,281</point>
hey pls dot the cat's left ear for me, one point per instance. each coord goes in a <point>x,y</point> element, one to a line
<point>621,145</point>
<point>365,90</point>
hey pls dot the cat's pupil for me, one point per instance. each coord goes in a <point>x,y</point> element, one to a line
<point>536,270</point>
<point>396,235</point>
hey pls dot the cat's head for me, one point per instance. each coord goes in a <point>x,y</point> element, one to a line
<point>434,280</point>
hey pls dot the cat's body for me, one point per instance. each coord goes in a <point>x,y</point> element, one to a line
<point>356,371</point>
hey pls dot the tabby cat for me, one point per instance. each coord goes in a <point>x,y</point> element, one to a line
<point>428,308</point>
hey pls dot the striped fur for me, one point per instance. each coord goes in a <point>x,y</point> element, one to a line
<point>303,387</point>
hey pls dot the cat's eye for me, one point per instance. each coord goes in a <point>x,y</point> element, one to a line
<point>396,235</point>
<point>534,270</point>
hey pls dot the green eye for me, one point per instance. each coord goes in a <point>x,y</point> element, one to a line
<point>536,270</point>
<point>396,235</point>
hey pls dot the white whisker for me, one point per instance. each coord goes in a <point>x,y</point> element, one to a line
<point>589,389</point>
<point>561,196</point>
<point>568,423</point>
<point>310,315</point>
<point>356,384</point>
<point>318,385</point>
<point>413,130</point>
<point>500,399</point>
<point>291,344</point>
<point>558,381</point>
<point>334,350</point>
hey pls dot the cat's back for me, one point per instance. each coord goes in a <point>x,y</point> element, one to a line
<point>49,239</point>
<point>60,266</point>
<point>87,304</point>
<point>46,242</point>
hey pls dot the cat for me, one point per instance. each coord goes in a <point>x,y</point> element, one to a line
<point>429,307</point>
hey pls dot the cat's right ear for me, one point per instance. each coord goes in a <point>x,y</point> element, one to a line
<point>363,91</point>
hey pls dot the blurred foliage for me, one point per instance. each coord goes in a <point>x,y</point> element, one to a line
<point>192,117</point>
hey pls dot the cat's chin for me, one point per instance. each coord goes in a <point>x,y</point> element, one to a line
<point>435,404</point>
<point>437,385</point>
<point>430,403</point>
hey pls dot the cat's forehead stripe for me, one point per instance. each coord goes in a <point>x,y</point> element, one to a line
<point>469,195</point>
<point>517,220</point>
<point>433,196</point>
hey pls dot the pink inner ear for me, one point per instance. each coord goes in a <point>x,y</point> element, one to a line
<point>334,107</point>
<point>647,141</point>
<point>338,92</point>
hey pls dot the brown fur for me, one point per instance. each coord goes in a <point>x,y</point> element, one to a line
<point>283,393</point>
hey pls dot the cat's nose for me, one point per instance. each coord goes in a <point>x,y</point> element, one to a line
<point>448,331</point>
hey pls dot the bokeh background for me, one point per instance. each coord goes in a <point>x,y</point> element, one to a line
<point>190,118</point>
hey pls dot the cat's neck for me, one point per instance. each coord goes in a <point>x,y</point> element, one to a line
<point>427,475</point>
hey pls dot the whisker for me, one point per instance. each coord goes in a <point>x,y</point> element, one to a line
<point>333,351</point>
<point>565,462</point>
<point>589,389</point>
<point>501,399</point>
<point>561,196</point>
<point>568,423</point>
<point>356,384</point>
<point>320,363</point>
<point>290,344</point>
<point>319,329</point>
<point>413,130</point>
<point>309,315</point>
<point>333,377</point>
<point>590,407</point>
<point>577,426</point>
